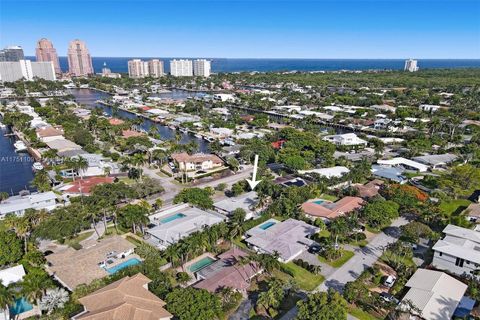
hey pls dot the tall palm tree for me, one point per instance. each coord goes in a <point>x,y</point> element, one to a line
<point>81,165</point>
<point>7,298</point>
<point>21,227</point>
<point>35,284</point>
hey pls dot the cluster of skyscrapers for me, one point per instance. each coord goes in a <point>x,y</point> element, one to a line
<point>14,66</point>
<point>178,68</point>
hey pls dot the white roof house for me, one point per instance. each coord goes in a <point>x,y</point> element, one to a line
<point>18,204</point>
<point>287,238</point>
<point>429,107</point>
<point>459,251</point>
<point>406,163</point>
<point>12,275</point>
<point>329,173</point>
<point>321,115</point>
<point>347,139</point>
<point>435,294</point>
<point>179,222</point>
<point>245,201</point>
<point>436,160</point>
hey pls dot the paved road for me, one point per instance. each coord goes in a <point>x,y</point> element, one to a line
<point>363,259</point>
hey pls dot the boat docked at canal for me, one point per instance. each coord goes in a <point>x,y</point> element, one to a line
<point>20,146</point>
<point>37,166</point>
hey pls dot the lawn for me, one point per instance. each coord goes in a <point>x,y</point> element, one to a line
<point>304,279</point>
<point>337,263</point>
<point>450,207</point>
<point>360,314</point>
<point>328,197</point>
<point>75,241</point>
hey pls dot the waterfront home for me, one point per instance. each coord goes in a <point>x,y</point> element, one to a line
<point>246,201</point>
<point>46,134</point>
<point>97,165</point>
<point>127,298</point>
<point>406,164</point>
<point>105,257</point>
<point>228,272</point>
<point>327,210</point>
<point>178,222</point>
<point>62,145</point>
<point>332,172</point>
<point>116,121</point>
<point>131,133</point>
<point>223,97</point>
<point>83,186</point>
<point>19,204</point>
<point>197,161</point>
<point>458,252</point>
<point>288,238</point>
<point>394,174</point>
<point>347,139</point>
<point>434,294</point>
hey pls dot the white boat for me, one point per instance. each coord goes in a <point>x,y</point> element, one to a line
<point>184,130</point>
<point>172,127</point>
<point>2,126</point>
<point>20,146</point>
<point>37,166</point>
<point>198,135</point>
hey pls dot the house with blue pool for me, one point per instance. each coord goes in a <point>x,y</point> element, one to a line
<point>107,256</point>
<point>289,238</point>
<point>178,222</point>
<point>21,308</point>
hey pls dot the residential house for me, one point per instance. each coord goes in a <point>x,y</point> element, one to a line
<point>246,201</point>
<point>19,204</point>
<point>46,134</point>
<point>370,189</point>
<point>178,222</point>
<point>62,145</point>
<point>198,161</point>
<point>429,107</point>
<point>326,210</point>
<point>436,161</point>
<point>127,298</point>
<point>347,139</point>
<point>404,163</point>
<point>458,252</point>
<point>434,294</point>
<point>97,165</point>
<point>104,257</point>
<point>332,172</point>
<point>288,238</point>
<point>84,186</point>
<point>394,174</point>
<point>228,272</point>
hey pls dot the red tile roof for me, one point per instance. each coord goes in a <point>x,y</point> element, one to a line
<point>85,185</point>
<point>49,132</point>
<point>115,121</point>
<point>369,189</point>
<point>131,133</point>
<point>278,144</point>
<point>332,210</point>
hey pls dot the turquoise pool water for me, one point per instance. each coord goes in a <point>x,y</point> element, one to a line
<point>171,218</point>
<point>319,201</point>
<point>267,225</point>
<point>200,264</point>
<point>123,265</point>
<point>21,305</point>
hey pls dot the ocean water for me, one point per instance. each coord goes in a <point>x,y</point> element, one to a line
<point>264,65</point>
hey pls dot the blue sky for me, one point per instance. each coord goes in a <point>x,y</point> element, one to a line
<point>249,29</point>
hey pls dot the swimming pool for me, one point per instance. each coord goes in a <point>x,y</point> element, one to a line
<point>21,305</point>
<point>267,225</point>
<point>123,265</point>
<point>319,201</point>
<point>171,218</point>
<point>200,264</point>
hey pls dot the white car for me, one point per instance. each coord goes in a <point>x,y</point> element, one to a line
<point>390,281</point>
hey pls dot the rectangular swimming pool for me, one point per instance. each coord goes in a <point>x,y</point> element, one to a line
<point>21,305</point>
<point>123,265</point>
<point>267,225</point>
<point>171,218</point>
<point>200,264</point>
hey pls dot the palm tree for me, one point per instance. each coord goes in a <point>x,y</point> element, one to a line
<point>34,285</point>
<point>20,225</point>
<point>81,165</point>
<point>7,298</point>
<point>134,215</point>
<point>42,181</point>
<point>53,299</point>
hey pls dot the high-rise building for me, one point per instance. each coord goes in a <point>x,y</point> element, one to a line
<point>107,73</point>
<point>46,52</point>
<point>201,68</point>
<point>155,68</point>
<point>137,68</point>
<point>411,65</point>
<point>79,59</point>
<point>25,69</point>
<point>12,53</point>
<point>181,68</point>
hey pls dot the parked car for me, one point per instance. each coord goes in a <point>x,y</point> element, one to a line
<point>389,281</point>
<point>314,249</point>
<point>387,297</point>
